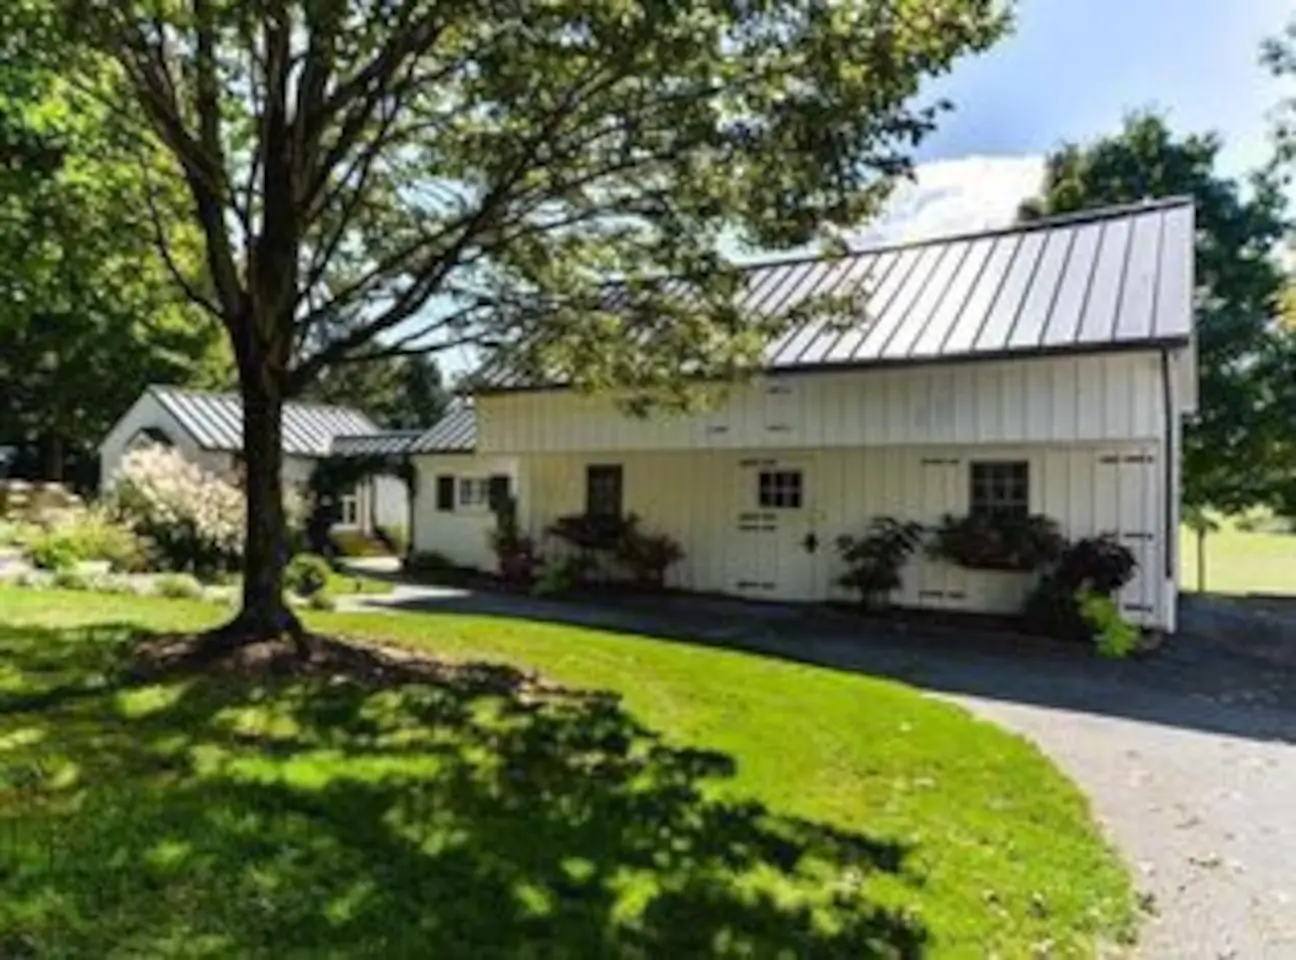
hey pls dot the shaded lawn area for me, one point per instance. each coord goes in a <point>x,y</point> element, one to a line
<point>670,801</point>
<point>1241,562</point>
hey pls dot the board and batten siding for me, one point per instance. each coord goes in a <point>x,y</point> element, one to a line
<point>1090,398</point>
<point>703,499</point>
<point>461,535</point>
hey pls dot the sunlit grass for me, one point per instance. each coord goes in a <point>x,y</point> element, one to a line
<point>702,803</point>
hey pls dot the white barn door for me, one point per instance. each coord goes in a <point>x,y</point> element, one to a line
<point>1128,507</point>
<point>944,487</point>
<point>775,535</point>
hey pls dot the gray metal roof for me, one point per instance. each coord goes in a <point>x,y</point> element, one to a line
<point>1103,279</point>
<point>215,421</point>
<point>385,443</point>
<point>456,432</point>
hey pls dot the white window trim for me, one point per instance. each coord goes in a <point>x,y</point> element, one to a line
<point>472,494</point>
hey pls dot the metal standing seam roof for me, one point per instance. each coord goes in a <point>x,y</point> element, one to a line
<point>456,432</point>
<point>1098,280</point>
<point>215,421</point>
<point>385,443</point>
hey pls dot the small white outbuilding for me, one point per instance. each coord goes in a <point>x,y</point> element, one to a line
<point>1041,369</point>
<point>208,429</point>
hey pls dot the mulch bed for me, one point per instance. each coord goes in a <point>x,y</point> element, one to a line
<point>335,659</point>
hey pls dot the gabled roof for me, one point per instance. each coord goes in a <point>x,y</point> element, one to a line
<point>456,432</point>
<point>385,443</point>
<point>215,421</point>
<point>1100,280</point>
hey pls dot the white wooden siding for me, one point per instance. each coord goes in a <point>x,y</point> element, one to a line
<point>1108,398</point>
<point>698,498</point>
<point>461,535</point>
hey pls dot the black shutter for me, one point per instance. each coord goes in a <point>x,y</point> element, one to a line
<point>498,491</point>
<point>445,493</point>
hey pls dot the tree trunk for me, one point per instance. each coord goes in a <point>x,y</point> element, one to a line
<point>265,615</point>
<point>52,457</point>
<point>1201,559</point>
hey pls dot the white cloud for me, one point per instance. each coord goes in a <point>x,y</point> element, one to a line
<point>956,196</point>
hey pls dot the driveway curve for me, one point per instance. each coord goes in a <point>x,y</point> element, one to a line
<point>1188,755</point>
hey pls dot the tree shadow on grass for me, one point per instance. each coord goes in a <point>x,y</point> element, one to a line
<point>471,814</point>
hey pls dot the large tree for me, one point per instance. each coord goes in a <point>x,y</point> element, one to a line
<point>400,393</point>
<point>1236,454</point>
<point>88,316</point>
<point>376,177</point>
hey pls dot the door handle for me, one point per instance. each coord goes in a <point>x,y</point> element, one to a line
<point>810,542</point>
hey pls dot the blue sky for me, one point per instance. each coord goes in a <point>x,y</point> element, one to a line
<point>1071,70</point>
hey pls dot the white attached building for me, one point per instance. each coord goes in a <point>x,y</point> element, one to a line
<point>208,429</point>
<point>1045,368</point>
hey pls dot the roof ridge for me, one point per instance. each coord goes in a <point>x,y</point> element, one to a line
<point>234,395</point>
<point>1091,215</point>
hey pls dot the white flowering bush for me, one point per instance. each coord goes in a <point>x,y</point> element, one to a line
<point>194,519</point>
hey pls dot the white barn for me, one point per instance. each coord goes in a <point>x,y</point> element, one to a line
<point>1048,365</point>
<point>208,429</point>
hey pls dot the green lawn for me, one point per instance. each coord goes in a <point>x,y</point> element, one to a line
<point>702,802</point>
<point>1240,562</point>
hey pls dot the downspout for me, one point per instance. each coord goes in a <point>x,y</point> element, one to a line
<point>1170,454</point>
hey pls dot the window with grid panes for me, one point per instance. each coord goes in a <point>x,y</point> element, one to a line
<point>1000,488</point>
<point>780,490</point>
<point>604,486</point>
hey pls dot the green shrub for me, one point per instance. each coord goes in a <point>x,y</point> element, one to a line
<point>561,576</point>
<point>647,555</point>
<point>178,586</point>
<point>322,600</point>
<point>874,561</point>
<point>516,557</point>
<point>68,579</point>
<point>54,551</point>
<point>1112,634</point>
<point>1095,565</point>
<point>88,536</point>
<point>984,542</point>
<point>307,574</point>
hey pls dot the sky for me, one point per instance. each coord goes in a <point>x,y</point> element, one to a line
<point>1071,70</point>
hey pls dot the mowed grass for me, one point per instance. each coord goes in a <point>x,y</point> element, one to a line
<point>688,802</point>
<point>1241,562</point>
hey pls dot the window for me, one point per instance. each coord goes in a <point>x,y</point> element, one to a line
<point>780,490</point>
<point>474,493</point>
<point>349,509</point>
<point>603,490</point>
<point>1000,488</point>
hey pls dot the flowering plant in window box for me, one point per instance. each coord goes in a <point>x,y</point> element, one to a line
<point>985,541</point>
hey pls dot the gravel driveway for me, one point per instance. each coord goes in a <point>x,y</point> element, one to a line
<point>1189,756</point>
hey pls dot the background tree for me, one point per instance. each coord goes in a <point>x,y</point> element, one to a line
<point>1236,454</point>
<point>382,177</point>
<point>88,315</point>
<point>400,393</point>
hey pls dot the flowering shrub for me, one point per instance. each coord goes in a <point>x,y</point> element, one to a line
<point>193,518</point>
<point>982,542</point>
